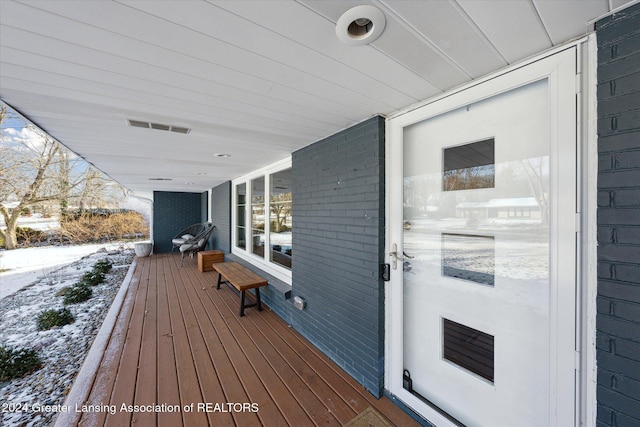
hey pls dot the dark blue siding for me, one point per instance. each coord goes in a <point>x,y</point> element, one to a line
<point>338,241</point>
<point>618,318</point>
<point>338,245</point>
<point>172,212</point>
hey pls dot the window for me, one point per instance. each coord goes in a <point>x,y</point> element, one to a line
<point>470,258</point>
<point>280,218</point>
<point>257,216</point>
<point>263,219</point>
<point>241,209</point>
<point>469,348</point>
<point>469,166</point>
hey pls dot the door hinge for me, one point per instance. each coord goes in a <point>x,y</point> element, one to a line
<point>578,222</point>
<point>579,83</point>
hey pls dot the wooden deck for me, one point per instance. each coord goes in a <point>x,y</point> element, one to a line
<point>178,341</point>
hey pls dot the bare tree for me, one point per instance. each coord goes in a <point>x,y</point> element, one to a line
<point>93,190</point>
<point>25,178</point>
<point>536,169</point>
<point>469,178</point>
<point>36,169</point>
<point>280,205</point>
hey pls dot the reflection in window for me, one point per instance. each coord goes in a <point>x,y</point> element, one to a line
<point>469,166</point>
<point>469,258</point>
<point>262,221</point>
<point>280,218</point>
<point>257,216</point>
<point>241,206</point>
<point>469,348</point>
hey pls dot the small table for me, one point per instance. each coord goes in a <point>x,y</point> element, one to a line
<point>242,279</point>
<point>207,258</point>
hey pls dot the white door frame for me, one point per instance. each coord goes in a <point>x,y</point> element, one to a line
<point>557,65</point>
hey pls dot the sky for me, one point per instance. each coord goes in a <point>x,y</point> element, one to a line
<point>16,132</point>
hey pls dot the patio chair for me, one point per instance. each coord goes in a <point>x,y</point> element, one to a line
<point>197,243</point>
<point>188,234</point>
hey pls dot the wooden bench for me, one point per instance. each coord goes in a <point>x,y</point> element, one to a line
<point>242,279</point>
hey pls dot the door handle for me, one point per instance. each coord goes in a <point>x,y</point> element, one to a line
<point>395,257</point>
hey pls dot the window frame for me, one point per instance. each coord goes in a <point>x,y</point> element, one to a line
<point>264,263</point>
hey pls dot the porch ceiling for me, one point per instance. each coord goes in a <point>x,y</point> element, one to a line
<point>253,79</point>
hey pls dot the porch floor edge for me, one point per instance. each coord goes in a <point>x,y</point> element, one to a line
<point>88,371</point>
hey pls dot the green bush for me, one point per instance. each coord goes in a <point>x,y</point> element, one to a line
<point>77,293</point>
<point>16,363</point>
<point>92,278</point>
<point>51,318</point>
<point>103,266</point>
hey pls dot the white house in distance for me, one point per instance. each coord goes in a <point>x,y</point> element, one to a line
<point>462,175</point>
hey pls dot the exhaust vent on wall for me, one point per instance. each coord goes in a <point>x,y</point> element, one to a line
<point>158,126</point>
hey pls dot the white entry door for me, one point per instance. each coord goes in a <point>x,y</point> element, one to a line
<point>483,211</point>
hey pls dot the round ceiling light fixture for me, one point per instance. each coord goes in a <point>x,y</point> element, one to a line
<point>360,25</point>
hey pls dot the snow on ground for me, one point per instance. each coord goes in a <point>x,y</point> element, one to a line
<point>37,222</point>
<point>62,349</point>
<point>27,265</point>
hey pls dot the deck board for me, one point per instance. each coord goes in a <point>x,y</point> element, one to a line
<point>146,381</point>
<point>105,377</point>
<point>213,363</point>
<point>310,403</point>
<point>235,358</point>
<point>125,383</point>
<point>179,341</point>
<point>167,382</point>
<point>263,368</point>
<point>187,377</point>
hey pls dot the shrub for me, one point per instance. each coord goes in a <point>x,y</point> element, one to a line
<point>92,278</point>
<point>51,318</point>
<point>97,226</point>
<point>16,363</point>
<point>79,292</point>
<point>62,292</point>
<point>102,266</point>
<point>26,235</point>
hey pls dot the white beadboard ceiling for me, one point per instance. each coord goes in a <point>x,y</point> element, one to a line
<point>253,79</point>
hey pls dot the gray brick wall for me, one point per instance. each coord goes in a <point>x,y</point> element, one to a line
<point>618,318</point>
<point>172,212</point>
<point>338,245</point>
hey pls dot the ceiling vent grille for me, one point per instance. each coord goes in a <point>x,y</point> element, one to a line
<point>158,126</point>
